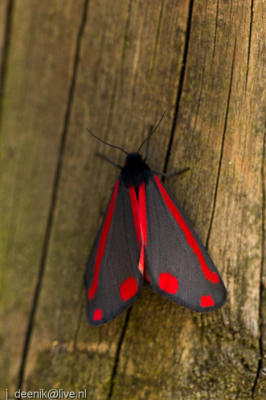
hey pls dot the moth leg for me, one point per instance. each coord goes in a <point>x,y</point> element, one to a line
<point>108,159</point>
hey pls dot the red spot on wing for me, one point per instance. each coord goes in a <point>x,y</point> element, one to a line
<point>97,315</point>
<point>168,282</point>
<point>206,301</point>
<point>93,289</point>
<point>211,276</point>
<point>128,288</point>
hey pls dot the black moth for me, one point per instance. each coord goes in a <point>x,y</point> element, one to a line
<point>145,238</point>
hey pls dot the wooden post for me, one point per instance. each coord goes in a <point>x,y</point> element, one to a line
<point>114,67</point>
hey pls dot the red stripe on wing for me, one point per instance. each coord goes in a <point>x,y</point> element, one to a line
<point>93,289</point>
<point>140,221</point>
<point>142,213</point>
<point>211,276</point>
<point>135,211</point>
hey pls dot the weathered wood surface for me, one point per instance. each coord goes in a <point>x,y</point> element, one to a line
<point>115,67</point>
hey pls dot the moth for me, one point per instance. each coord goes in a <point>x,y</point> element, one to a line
<point>146,239</point>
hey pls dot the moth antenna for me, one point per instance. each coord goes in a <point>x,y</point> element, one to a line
<point>150,134</point>
<point>147,147</point>
<point>108,144</point>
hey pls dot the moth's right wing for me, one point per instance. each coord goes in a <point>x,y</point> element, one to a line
<point>112,279</point>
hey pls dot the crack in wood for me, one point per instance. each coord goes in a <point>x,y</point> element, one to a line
<point>156,41</point>
<point>117,355</point>
<point>249,41</point>
<point>124,47</point>
<point>222,148</point>
<point>180,85</point>
<point>51,213</point>
<point>263,178</point>
<point>215,31</point>
<point>151,70</point>
<point>5,49</point>
<point>118,75</point>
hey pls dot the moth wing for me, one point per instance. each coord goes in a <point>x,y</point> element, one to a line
<point>179,266</point>
<point>112,278</point>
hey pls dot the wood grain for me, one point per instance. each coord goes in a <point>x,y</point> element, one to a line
<point>38,72</point>
<point>4,12</point>
<point>114,67</point>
